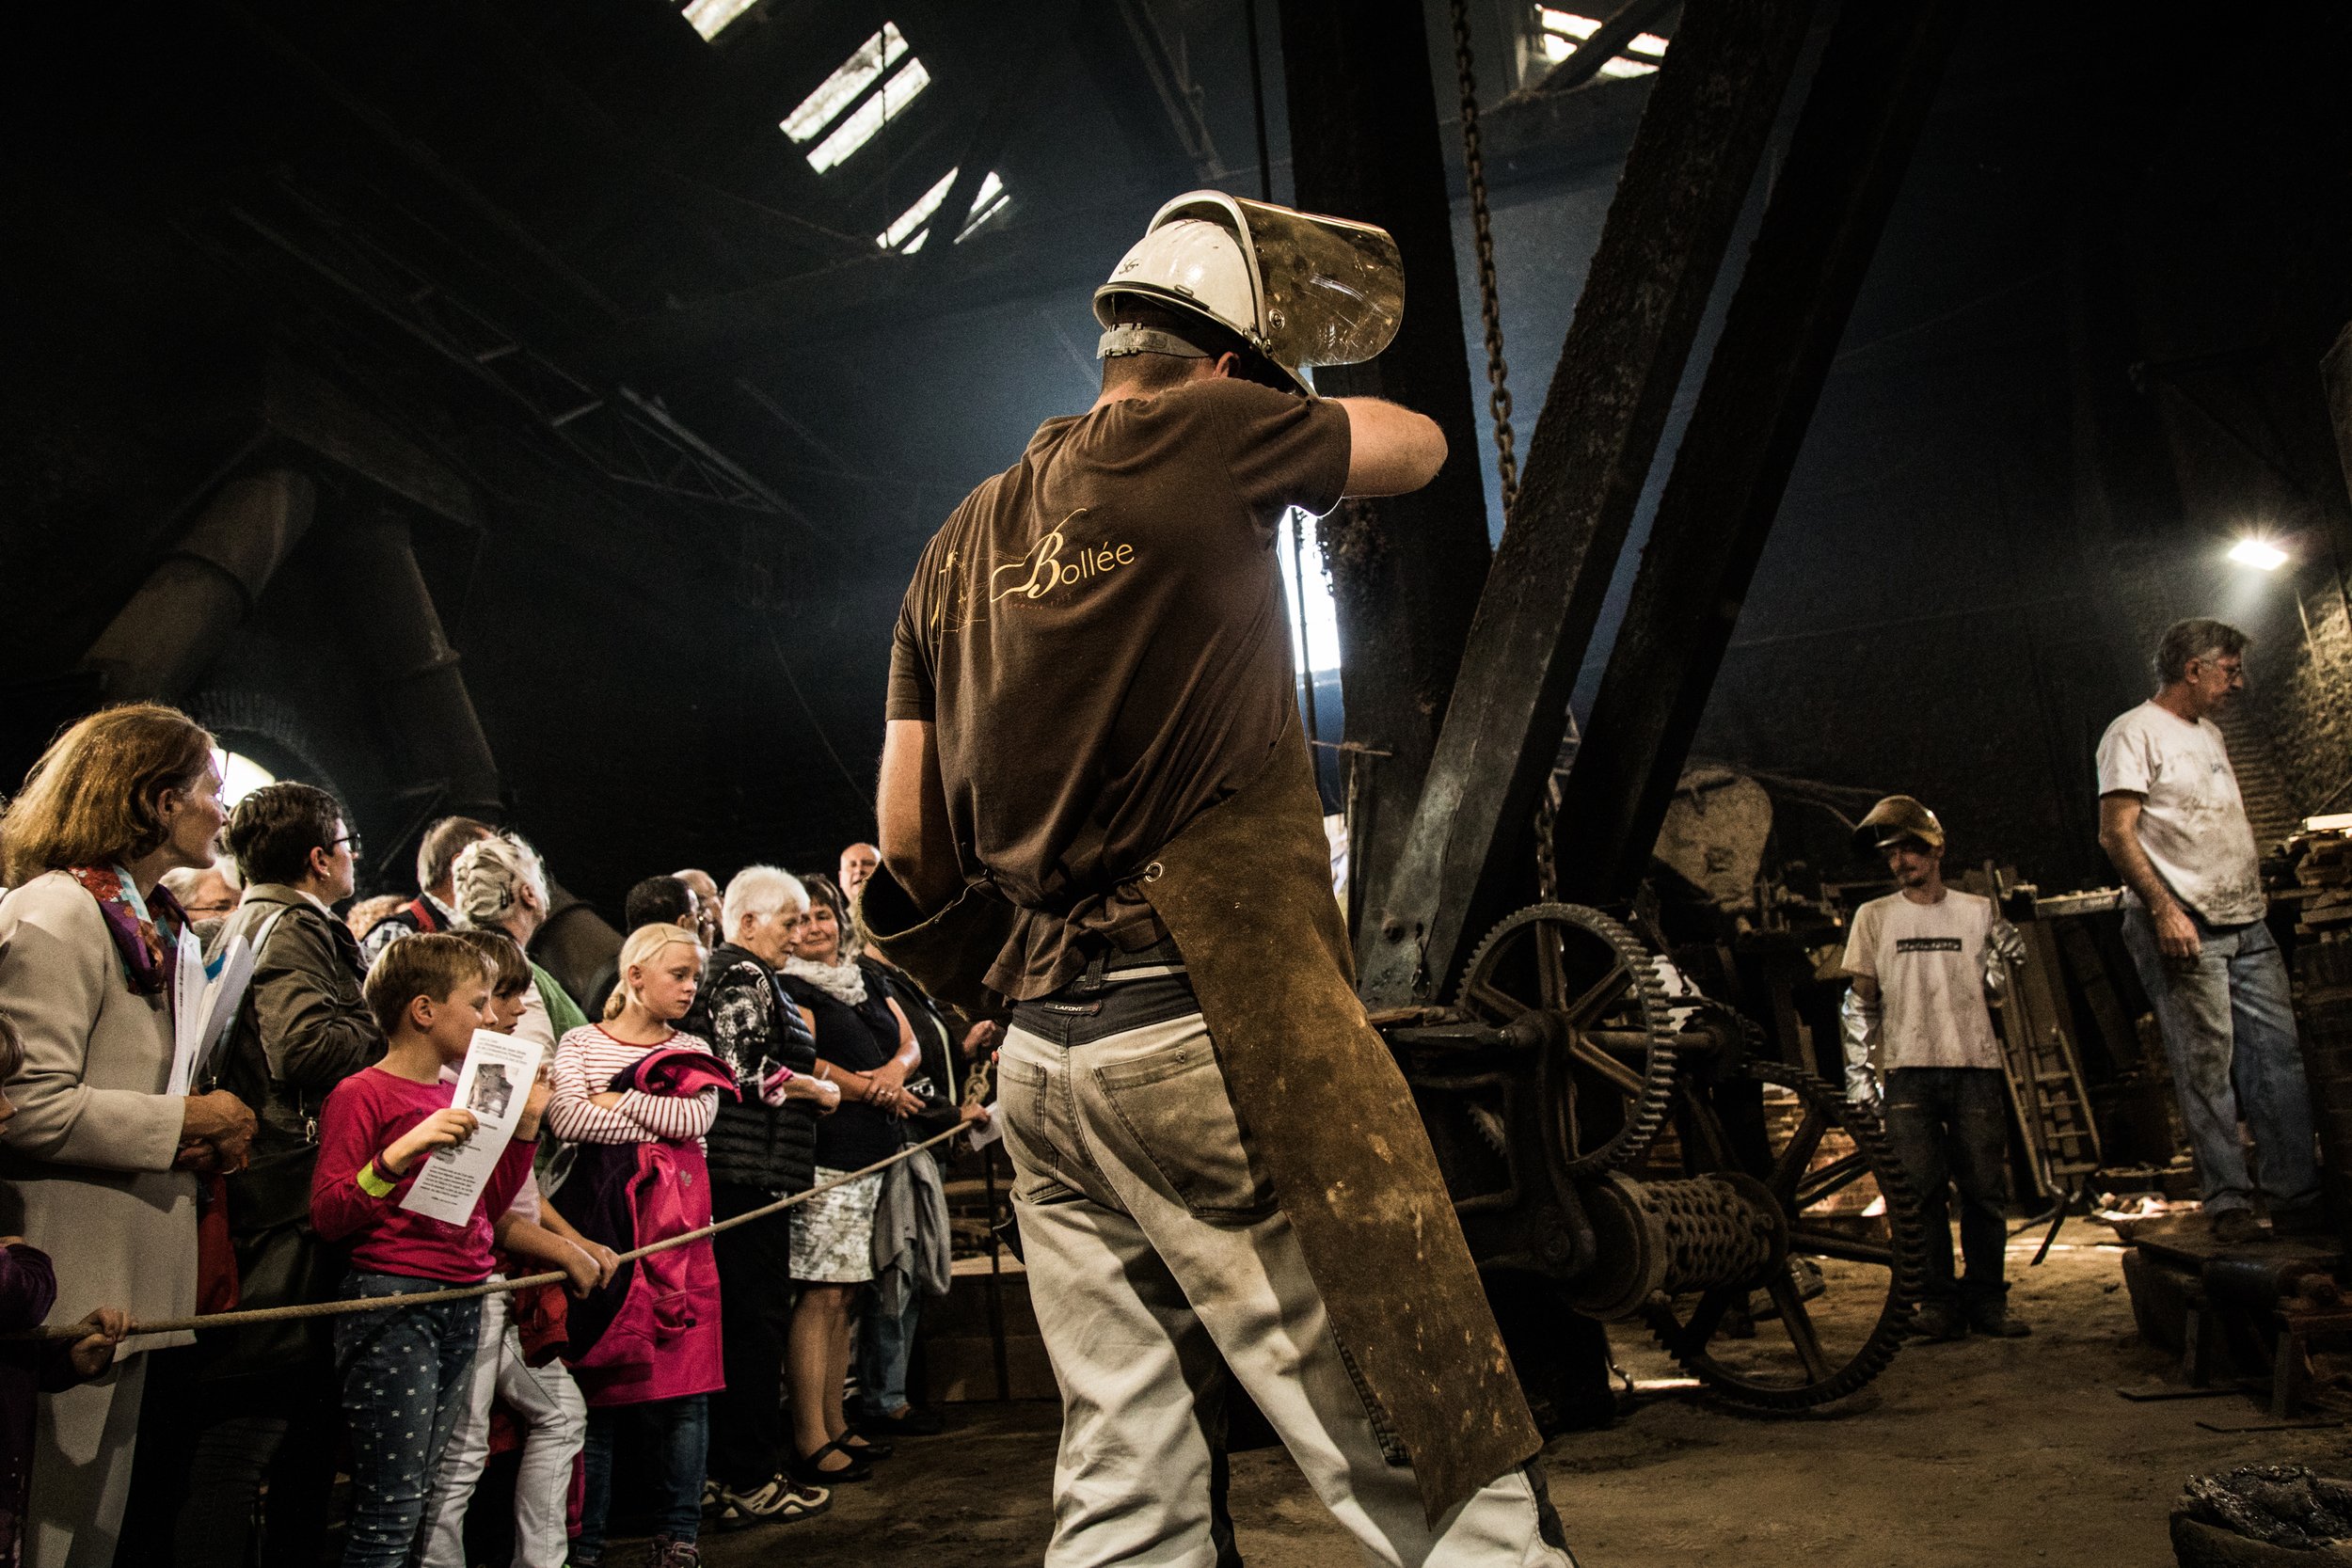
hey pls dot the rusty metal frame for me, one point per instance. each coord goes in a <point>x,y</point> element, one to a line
<point>1702,138</point>
<point>1862,117</point>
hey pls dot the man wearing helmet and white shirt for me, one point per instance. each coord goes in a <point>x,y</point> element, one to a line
<point>1095,790</point>
<point>2172,821</point>
<point>1923,960</point>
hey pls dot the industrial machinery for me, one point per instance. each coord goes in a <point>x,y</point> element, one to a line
<point>1612,1143</point>
<point>1616,1144</point>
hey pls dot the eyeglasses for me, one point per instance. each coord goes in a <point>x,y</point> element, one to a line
<point>351,839</point>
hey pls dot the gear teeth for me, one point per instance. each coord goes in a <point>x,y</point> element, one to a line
<point>1648,1116</point>
<point>1904,1228</point>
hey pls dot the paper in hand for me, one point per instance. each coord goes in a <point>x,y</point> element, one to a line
<point>493,1084</point>
<point>187,1012</point>
<point>986,1132</point>
<point>202,1010</point>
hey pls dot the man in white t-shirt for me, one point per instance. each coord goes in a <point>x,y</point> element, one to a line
<point>1919,959</point>
<point>2171,820</point>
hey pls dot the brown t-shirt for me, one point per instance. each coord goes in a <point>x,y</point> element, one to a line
<point>1100,638</point>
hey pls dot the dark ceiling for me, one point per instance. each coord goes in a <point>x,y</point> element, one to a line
<point>558,253</point>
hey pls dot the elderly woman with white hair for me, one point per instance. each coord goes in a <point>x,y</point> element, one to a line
<point>762,1148</point>
<point>500,885</point>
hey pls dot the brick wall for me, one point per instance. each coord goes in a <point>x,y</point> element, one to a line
<point>2303,696</point>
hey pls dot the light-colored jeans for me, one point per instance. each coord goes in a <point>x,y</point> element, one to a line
<point>1153,1243</point>
<point>548,1402</point>
<point>2229,1028</point>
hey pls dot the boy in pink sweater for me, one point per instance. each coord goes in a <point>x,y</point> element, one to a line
<point>404,1369</point>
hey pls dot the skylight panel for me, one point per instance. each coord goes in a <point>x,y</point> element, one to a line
<point>917,215</point>
<point>710,17</point>
<point>878,110</point>
<point>836,92</point>
<point>992,198</point>
<point>989,200</point>
<point>1562,31</point>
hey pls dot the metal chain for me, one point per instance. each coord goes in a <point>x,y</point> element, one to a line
<point>1489,297</point>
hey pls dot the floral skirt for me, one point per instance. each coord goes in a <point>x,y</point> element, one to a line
<point>833,1233</point>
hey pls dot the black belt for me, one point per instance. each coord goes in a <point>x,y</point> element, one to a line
<point>1115,991</point>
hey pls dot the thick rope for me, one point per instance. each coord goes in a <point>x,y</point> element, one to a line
<point>488,1287</point>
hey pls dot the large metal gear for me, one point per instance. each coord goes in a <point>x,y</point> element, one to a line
<point>1882,1259</point>
<point>1594,991</point>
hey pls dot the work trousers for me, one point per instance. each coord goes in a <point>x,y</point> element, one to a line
<point>2228,1021</point>
<point>1950,1126</point>
<point>555,1418</point>
<point>404,1375</point>
<point>747,1431</point>
<point>82,1448</point>
<point>1153,1243</point>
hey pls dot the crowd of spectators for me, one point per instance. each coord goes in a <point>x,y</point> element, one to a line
<point>743,1048</point>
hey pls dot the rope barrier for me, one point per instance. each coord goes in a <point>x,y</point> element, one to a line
<point>488,1287</point>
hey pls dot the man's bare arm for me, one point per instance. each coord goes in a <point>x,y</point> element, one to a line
<point>2118,835</point>
<point>1391,450</point>
<point>915,842</point>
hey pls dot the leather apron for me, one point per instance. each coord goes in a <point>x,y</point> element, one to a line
<point>1245,889</point>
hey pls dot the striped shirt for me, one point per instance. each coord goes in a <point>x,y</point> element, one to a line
<point>585,1061</point>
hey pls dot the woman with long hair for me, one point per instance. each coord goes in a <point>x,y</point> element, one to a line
<point>99,1166</point>
<point>867,1047</point>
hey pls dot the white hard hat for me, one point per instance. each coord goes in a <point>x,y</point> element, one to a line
<point>1298,289</point>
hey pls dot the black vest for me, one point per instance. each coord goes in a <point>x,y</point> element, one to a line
<point>754,1144</point>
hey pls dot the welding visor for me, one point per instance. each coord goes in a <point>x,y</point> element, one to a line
<point>1301,289</point>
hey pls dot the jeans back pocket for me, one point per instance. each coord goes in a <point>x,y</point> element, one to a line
<point>1025,1113</point>
<point>1173,1103</point>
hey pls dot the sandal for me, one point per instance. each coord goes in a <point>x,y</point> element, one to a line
<point>857,1443</point>
<point>808,1470</point>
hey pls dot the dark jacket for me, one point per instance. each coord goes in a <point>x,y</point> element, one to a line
<point>744,1014</point>
<point>303,1028</point>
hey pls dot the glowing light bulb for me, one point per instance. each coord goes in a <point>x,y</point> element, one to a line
<point>2261,554</point>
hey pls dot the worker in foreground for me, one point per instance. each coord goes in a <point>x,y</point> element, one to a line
<point>1097,803</point>
<point>1924,961</point>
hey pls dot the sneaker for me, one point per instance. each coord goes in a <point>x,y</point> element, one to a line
<point>2000,1322</point>
<point>710,1494</point>
<point>662,1552</point>
<point>1937,1320</point>
<point>774,1501</point>
<point>2237,1227</point>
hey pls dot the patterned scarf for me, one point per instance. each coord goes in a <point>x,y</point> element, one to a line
<point>844,982</point>
<point>146,951</point>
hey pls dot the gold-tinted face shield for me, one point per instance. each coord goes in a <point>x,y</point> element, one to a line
<point>1326,291</point>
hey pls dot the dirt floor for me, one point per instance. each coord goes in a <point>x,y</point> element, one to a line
<point>1981,1452</point>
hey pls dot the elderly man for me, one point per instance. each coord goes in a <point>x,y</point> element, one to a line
<point>208,895</point>
<point>857,864</point>
<point>762,1148</point>
<point>2172,821</point>
<point>434,907</point>
<point>707,903</point>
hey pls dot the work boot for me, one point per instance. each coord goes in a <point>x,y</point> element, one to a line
<point>1937,1319</point>
<point>2237,1227</point>
<point>1998,1322</point>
